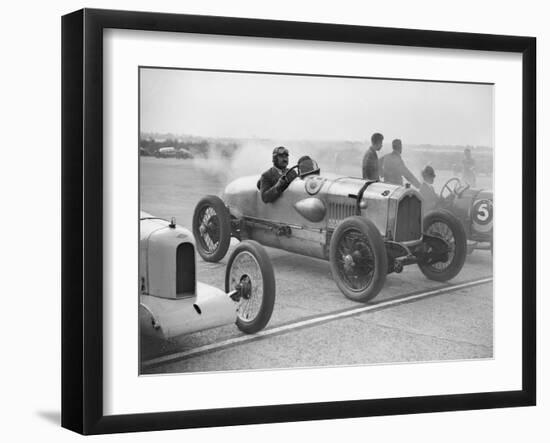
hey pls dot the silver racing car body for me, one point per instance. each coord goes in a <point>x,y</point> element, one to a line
<point>365,229</point>
<point>304,218</point>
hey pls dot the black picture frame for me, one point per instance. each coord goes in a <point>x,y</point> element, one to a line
<point>82,218</point>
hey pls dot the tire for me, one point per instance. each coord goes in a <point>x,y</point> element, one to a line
<point>212,228</point>
<point>358,259</point>
<point>443,224</point>
<point>250,260</point>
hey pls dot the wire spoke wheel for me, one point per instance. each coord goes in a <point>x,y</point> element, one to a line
<point>358,259</point>
<point>355,260</point>
<point>249,270</point>
<point>209,229</point>
<point>212,228</point>
<point>444,225</point>
<point>245,272</point>
<point>443,231</point>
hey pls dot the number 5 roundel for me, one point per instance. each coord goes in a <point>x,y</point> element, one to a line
<point>482,215</point>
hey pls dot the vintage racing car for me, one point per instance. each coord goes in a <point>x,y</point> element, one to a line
<point>474,208</point>
<point>365,229</point>
<point>172,302</point>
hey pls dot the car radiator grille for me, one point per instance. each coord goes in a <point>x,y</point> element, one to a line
<point>338,211</point>
<point>185,270</point>
<point>409,219</point>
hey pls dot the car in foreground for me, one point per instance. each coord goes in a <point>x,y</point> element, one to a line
<point>474,208</point>
<point>172,302</point>
<point>365,229</point>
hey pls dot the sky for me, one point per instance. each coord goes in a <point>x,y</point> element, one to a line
<point>287,107</point>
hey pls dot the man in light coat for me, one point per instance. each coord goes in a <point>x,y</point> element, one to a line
<point>393,168</point>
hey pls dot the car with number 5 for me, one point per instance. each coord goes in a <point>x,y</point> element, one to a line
<point>474,208</point>
<point>365,229</point>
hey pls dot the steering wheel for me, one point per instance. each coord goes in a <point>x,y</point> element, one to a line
<point>285,175</point>
<point>449,190</point>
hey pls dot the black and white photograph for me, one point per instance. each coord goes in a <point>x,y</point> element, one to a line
<point>304,221</point>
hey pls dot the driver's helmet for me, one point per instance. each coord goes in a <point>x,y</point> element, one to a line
<point>279,150</point>
<point>307,166</point>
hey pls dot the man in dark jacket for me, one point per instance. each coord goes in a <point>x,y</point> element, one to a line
<point>393,168</point>
<point>276,179</point>
<point>370,159</point>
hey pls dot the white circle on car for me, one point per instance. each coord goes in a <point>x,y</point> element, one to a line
<point>314,184</point>
<point>482,215</point>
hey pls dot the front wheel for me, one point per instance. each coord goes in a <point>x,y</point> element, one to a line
<point>250,269</point>
<point>446,226</point>
<point>212,228</point>
<point>358,259</point>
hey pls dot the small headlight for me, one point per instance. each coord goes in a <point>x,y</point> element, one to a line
<point>363,204</point>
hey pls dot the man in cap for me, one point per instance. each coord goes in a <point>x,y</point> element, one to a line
<point>429,196</point>
<point>394,168</point>
<point>276,179</point>
<point>370,159</point>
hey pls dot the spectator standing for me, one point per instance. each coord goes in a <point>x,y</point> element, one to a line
<point>393,168</point>
<point>371,169</point>
<point>469,168</point>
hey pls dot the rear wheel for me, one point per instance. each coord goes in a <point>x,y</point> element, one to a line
<point>212,228</point>
<point>250,268</point>
<point>358,259</point>
<point>446,226</point>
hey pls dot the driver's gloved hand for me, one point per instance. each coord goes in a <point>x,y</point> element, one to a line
<point>291,175</point>
<point>282,183</point>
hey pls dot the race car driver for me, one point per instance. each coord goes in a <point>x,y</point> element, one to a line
<point>276,179</point>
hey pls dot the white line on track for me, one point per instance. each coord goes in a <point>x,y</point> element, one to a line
<point>310,322</point>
